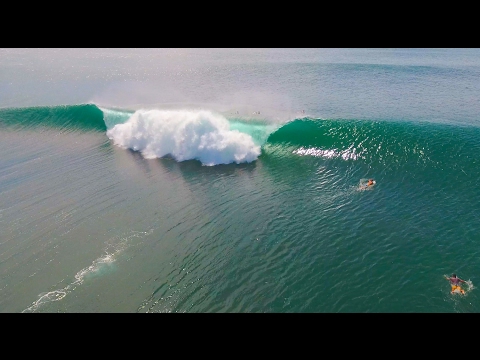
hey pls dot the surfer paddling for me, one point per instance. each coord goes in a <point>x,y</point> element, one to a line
<point>455,282</point>
<point>366,185</point>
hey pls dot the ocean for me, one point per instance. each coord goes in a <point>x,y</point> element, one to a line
<point>231,180</point>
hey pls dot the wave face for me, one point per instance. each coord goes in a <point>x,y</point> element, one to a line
<point>387,145</point>
<point>214,139</point>
<point>83,117</point>
<point>185,135</point>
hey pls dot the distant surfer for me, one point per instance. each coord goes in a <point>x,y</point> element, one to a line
<point>368,184</point>
<point>455,282</point>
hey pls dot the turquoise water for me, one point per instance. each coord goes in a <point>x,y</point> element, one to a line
<point>227,180</point>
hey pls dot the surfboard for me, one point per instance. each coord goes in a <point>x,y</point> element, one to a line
<point>457,290</point>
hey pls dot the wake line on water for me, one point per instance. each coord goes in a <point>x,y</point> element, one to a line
<point>111,252</point>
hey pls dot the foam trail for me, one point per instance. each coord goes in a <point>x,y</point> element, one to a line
<point>111,252</point>
<point>185,135</point>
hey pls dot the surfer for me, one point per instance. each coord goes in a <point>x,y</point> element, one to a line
<point>369,183</point>
<point>455,282</point>
<point>365,185</point>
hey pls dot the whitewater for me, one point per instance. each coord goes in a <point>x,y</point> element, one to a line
<point>190,135</point>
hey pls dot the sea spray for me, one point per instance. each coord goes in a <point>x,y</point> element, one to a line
<point>185,135</point>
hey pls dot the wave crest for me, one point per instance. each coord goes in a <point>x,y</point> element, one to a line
<point>185,135</point>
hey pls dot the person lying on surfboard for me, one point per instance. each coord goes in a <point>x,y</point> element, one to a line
<point>370,182</point>
<point>455,282</point>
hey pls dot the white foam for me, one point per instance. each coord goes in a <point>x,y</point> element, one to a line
<point>328,154</point>
<point>185,135</point>
<point>106,260</point>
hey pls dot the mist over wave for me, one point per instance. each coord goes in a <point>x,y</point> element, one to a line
<point>185,135</point>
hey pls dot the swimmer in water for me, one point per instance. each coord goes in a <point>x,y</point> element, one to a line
<point>455,282</point>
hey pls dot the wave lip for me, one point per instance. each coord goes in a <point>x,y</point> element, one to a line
<point>185,135</point>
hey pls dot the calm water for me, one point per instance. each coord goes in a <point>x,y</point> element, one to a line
<point>227,180</point>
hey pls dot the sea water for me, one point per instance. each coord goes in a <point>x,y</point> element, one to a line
<point>227,180</point>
